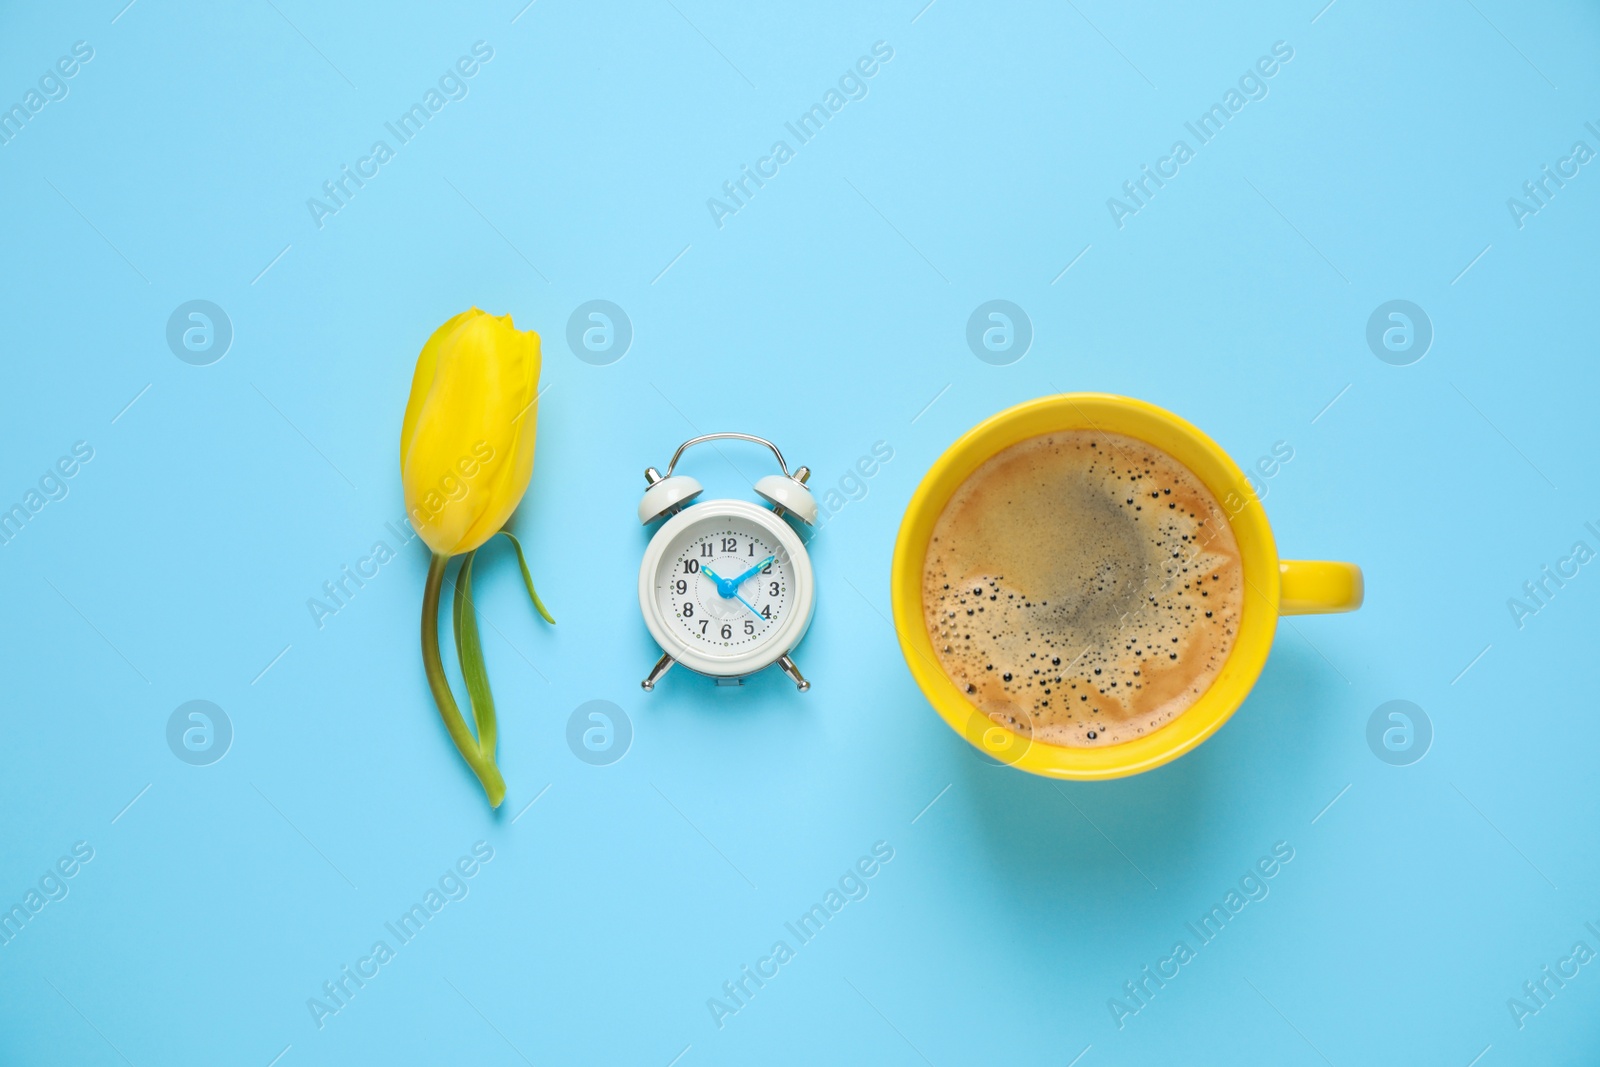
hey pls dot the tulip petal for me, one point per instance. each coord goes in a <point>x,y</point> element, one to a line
<point>470,450</point>
<point>518,418</point>
<point>422,378</point>
<point>469,651</point>
<point>527,579</point>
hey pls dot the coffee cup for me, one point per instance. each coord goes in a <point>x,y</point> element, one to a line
<point>1272,586</point>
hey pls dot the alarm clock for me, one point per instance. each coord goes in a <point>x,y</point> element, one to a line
<point>726,586</point>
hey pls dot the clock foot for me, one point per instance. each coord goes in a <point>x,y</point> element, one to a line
<point>663,665</point>
<point>787,666</point>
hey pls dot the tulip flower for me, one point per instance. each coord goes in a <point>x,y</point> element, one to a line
<point>466,454</point>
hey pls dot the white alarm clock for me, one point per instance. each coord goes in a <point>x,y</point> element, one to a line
<point>726,586</point>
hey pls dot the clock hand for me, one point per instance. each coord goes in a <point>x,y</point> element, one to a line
<point>729,589</point>
<point>737,582</point>
<point>725,588</point>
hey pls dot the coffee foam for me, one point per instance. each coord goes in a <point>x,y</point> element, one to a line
<point>1083,588</point>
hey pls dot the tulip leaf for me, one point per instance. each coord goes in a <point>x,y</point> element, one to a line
<point>527,579</point>
<point>469,650</point>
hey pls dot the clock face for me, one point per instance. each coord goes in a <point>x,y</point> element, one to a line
<point>726,588</point>
<point>725,585</point>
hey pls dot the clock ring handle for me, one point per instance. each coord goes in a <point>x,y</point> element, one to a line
<point>728,436</point>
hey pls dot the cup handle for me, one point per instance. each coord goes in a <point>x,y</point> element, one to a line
<point>1318,587</point>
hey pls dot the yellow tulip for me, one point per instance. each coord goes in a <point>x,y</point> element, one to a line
<point>466,454</point>
<point>466,444</point>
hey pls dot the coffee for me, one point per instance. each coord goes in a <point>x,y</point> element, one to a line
<point>1083,588</point>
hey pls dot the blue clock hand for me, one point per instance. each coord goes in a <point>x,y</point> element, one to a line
<point>725,588</point>
<point>737,582</point>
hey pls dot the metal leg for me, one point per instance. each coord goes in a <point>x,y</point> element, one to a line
<point>787,666</point>
<point>663,665</point>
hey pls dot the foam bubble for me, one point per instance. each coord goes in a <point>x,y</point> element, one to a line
<point>1086,583</point>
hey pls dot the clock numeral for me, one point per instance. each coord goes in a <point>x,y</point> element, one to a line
<point>727,631</point>
<point>688,611</point>
<point>766,611</point>
<point>705,550</point>
<point>680,586</point>
<point>767,569</point>
<point>772,588</point>
<point>752,549</point>
<point>730,544</point>
<point>749,627</point>
<point>691,566</point>
<point>703,624</point>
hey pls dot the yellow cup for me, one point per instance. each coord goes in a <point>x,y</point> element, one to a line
<point>1273,586</point>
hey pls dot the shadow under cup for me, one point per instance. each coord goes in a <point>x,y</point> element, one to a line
<point>1271,586</point>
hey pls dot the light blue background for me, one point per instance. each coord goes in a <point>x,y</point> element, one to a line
<point>826,314</point>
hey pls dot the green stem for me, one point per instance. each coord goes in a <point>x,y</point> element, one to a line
<point>469,653</point>
<point>483,766</point>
